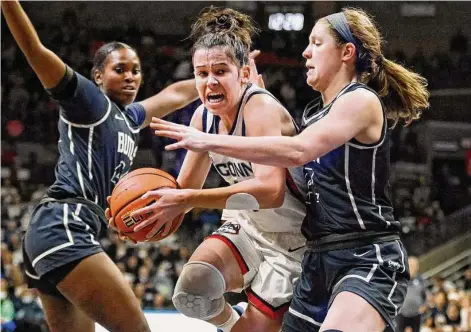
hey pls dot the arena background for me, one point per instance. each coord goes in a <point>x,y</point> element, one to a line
<point>431,159</point>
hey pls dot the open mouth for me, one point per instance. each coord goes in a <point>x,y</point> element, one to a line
<point>310,69</point>
<point>129,90</point>
<point>214,98</point>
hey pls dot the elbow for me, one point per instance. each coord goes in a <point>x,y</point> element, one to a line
<point>304,152</point>
<point>273,198</point>
<point>278,200</point>
<point>298,157</point>
<point>33,49</point>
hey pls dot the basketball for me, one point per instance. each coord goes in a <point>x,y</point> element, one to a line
<point>126,198</point>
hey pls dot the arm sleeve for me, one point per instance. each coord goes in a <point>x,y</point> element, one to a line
<point>81,101</point>
<point>136,113</point>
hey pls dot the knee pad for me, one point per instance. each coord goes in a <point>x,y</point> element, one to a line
<point>199,292</point>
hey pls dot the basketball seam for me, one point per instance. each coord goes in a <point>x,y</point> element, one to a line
<point>171,180</point>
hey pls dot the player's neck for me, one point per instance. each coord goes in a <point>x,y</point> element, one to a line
<point>334,88</point>
<point>227,122</point>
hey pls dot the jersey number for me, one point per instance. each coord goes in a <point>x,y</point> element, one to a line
<point>118,172</point>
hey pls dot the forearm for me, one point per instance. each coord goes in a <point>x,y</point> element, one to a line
<point>48,66</point>
<point>21,27</point>
<point>267,196</point>
<point>278,151</point>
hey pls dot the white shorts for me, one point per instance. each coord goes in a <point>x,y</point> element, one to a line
<point>269,262</point>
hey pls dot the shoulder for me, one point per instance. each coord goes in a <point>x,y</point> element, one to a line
<point>360,104</point>
<point>197,119</point>
<point>264,116</point>
<point>136,112</point>
<point>262,105</point>
<point>199,111</point>
<point>87,83</point>
<point>359,97</point>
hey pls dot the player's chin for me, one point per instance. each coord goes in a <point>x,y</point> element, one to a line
<point>312,83</point>
<point>216,108</point>
<point>127,97</point>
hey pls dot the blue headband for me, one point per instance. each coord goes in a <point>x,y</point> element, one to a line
<point>340,24</point>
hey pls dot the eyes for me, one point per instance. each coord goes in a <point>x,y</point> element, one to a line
<point>121,70</point>
<point>203,73</point>
<point>314,41</point>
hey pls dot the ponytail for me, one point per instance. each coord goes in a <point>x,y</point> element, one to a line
<point>404,93</point>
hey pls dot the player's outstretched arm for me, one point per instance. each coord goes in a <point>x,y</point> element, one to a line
<point>48,66</point>
<point>266,188</point>
<point>350,116</point>
<point>172,98</point>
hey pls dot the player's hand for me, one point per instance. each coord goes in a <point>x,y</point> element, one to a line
<point>112,224</point>
<point>255,77</point>
<point>187,137</point>
<point>170,203</point>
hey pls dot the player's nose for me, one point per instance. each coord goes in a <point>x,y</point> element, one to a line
<point>307,53</point>
<point>211,80</point>
<point>128,76</point>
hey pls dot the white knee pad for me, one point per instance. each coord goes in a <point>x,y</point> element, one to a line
<point>199,292</point>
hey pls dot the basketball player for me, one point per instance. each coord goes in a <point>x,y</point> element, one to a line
<point>259,247</point>
<point>99,125</point>
<point>355,262</point>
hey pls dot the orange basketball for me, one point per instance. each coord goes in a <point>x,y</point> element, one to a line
<point>126,198</point>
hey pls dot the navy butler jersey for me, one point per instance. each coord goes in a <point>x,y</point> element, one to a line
<point>348,187</point>
<point>98,140</point>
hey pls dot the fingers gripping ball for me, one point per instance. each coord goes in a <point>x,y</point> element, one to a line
<point>126,198</point>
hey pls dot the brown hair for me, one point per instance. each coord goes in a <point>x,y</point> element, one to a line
<point>227,28</point>
<point>404,93</point>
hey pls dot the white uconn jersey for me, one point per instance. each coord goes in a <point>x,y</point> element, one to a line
<point>288,217</point>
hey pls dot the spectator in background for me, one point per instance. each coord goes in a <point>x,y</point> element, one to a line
<point>7,310</point>
<point>182,260</point>
<point>440,283</point>
<point>453,317</point>
<point>437,314</point>
<point>29,316</point>
<point>465,312</point>
<point>459,43</point>
<point>414,305</point>
<point>160,301</point>
<point>211,221</point>
<point>467,280</point>
<point>8,191</point>
<point>139,291</point>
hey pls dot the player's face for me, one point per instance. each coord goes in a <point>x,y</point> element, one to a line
<point>121,77</point>
<point>323,57</point>
<point>219,81</point>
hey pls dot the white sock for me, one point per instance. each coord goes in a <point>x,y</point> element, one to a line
<point>227,326</point>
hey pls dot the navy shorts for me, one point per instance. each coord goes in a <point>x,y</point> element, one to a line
<point>58,237</point>
<point>377,272</point>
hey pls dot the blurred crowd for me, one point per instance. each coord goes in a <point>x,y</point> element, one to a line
<point>29,115</point>
<point>443,306</point>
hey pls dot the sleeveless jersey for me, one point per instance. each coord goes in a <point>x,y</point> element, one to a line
<point>97,143</point>
<point>348,188</point>
<point>288,217</point>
